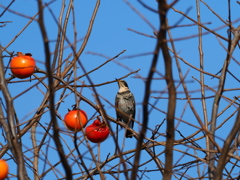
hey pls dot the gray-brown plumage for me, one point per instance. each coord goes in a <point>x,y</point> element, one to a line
<point>125,106</point>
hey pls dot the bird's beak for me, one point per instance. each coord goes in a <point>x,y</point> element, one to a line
<point>117,80</point>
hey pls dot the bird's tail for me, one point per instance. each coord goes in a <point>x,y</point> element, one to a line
<point>129,134</point>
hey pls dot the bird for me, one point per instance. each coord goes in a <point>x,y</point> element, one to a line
<point>125,106</point>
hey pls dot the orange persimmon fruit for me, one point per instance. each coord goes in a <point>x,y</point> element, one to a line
<point>3,169</point>
<point>75,120</point>
<point>23,65</point>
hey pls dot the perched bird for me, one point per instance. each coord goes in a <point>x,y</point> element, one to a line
<point>125,106</point>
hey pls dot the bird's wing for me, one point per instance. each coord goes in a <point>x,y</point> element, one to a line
<point>134,109</point>
<point>130,104</point>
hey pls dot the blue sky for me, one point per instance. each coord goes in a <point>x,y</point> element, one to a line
<point>110,36</point>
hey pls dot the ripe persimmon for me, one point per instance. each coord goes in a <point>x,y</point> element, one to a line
<point>75,120</point>
<point>97,132</point>
<point>3,169</point>
<point>23,65</point>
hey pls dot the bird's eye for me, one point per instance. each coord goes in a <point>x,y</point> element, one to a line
<point>125,84</point>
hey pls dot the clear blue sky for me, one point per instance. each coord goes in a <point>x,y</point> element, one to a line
<point>110,36</point>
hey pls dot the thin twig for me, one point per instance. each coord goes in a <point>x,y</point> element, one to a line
<point>51,93</point>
